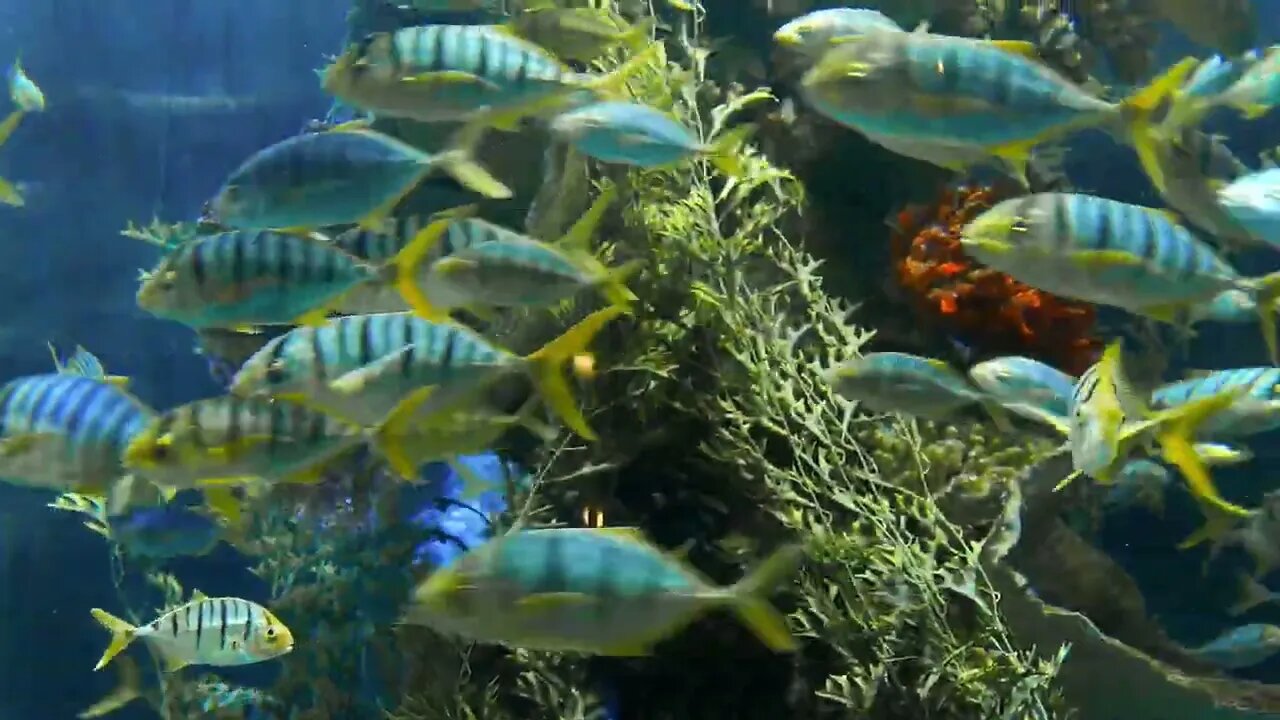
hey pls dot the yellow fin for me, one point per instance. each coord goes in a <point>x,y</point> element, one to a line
<point>1104,258</point>
<point>629,533</point>
<point>24,443</point>
<point>313,318</point>
<point>551,600</point>
<point>1138,109</point>
<point>9,124</point>
<point>172,664</point>
<point>1268,294</point>
<point>1020,48</point>
<point>749,599</point>
<point>450,78</point>
<point>546,372</point>
<point>394,436</point>
<point>1253,111</point>
<point>578,238</point>
<point>350,125</point>
<point>122,634</point>
<point>1176,428</point>
<point>197,595</point>
<point>222,500</point>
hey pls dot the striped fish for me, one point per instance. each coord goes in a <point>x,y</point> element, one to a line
<point>1256,410</point>
<point>243,278</point>
<point>944,89</point>
<point>230,440</point>
<point>443,73</point>
<point>361,367</point>
<point>908,384</point>
<point>1111,253</point>
<point>1026,387</point>
<point>66,432</point>
<point>605,591</point>
<point>1192,166</point>
<point>348,174</point>
<point>1107,422</point>
<point>508,269</point>
<point>222,632</point>
<point>813,33</point>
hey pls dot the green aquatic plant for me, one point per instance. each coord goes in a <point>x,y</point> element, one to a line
<point>712,396</point>
<point>162,234</point>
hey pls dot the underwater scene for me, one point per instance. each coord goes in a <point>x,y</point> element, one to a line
<point>640,360</point>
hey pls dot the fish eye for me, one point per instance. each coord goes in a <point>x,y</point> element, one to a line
<point>1019,225</point>
<point>271,632</point>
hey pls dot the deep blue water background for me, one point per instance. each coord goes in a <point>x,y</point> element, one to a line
<point>150,104</point>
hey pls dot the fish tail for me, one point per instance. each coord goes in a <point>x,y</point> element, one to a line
<point>726,151</point>
<point>9,194</point>
<point>128,690</point>
<point>1268,296</point>
<point>459,163</point>
<point>390,438</point>
<point>571,346</point>
<point>404,267</point>
<point>749,599</point>
<point>1138,109</point>
<point>1217,524</point>
<point>1252,594</point>
<point>578,237</point>
<point>1174,430</point>
<point>122,634</point>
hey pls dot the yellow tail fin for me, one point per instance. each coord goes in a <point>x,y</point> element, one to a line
<point>1174,432</point>
<point>749,599</point>
<point>578,238</point>
<point>1267,290</point>
<point>122,634</point>
<point>1217,523</point>
<point>1138,109</point>
<point>128,690</point>
<point>407,263</point>
<point>548,376</point>
<point>459,163</point>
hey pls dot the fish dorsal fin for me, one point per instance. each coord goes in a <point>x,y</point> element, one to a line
<point>923,29</point>
<point>197,595</point>
<point>352,125</point>
<point>1021,48</point>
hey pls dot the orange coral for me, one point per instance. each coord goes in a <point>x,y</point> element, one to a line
<point>987,309</point>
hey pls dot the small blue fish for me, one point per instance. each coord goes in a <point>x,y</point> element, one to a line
<point>341,176</point>
<point>604,591</point>
<point>814,33</point>
<point>1026,387</point>
<point>1241,647</point>
<point>909,384</point>
<point>1256,410</point>
<point>164,532</point>
<point>1258,90</point>
<point>23,90</point>
<point>632,134</point>
<point>1112,253</point>
<point>1254,202</point>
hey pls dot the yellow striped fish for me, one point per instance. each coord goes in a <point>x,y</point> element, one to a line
<point>222,632</point>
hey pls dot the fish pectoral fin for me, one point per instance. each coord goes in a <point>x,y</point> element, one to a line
<point>313,318</point>
<point>1163,313</point>
<point>449,78</point>
<point>24,443</point>
<point>1104,258</point>
<point>454,265</point>
<point>550,601</point>
<point>353,382</point>
<point>1255,110</point>
<point>1021,48</point>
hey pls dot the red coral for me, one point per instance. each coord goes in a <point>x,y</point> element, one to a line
<point>989,310</point>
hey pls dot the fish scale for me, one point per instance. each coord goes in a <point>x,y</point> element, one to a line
<point>92,421</point>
